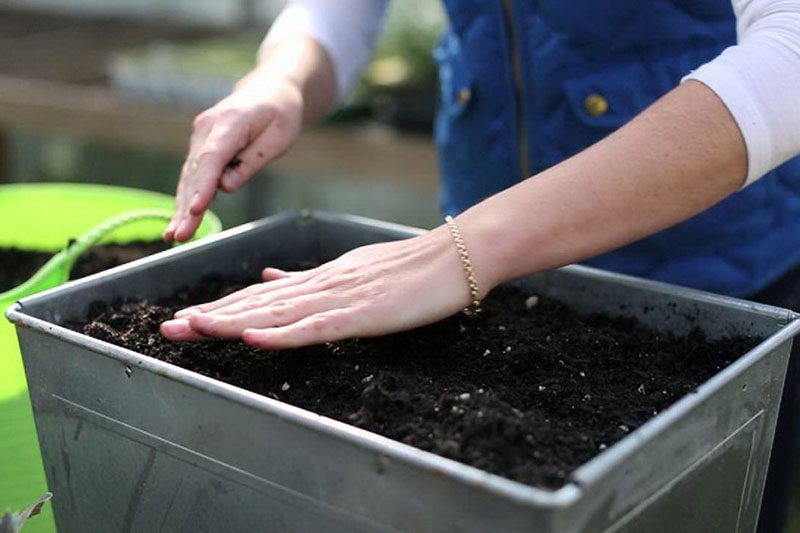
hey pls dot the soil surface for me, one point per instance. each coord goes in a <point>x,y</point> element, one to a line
<point>529,394</point>
<point>16,265</point>
<point>99,258</point>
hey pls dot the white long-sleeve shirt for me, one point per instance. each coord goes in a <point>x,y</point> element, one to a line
<point>758,79</point>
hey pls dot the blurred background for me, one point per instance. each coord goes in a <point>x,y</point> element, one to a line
<point>104,91</point>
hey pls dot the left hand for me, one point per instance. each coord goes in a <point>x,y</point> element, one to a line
<point>373,290</point>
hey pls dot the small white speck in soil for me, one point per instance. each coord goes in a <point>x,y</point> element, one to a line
<point>285,387</point>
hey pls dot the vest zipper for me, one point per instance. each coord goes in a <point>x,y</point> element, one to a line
<point>516,64</point>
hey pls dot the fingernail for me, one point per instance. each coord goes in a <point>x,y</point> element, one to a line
<point>271,274</point>
<point>232,180</point>
<point>200,320</point>
<point>169,231</point>
<point>189,311</point>
<point>179,330</point>
<point>172,327</point>
<point>183,233</point>
<point>250,335</point>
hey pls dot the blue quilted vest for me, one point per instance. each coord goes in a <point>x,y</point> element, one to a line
<point>525,84</point>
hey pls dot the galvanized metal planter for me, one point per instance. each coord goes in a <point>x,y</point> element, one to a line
<point>134,444</point>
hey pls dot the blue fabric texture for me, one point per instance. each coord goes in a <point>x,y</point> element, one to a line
<point>629,52</point>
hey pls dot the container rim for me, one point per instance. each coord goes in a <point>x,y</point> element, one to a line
<point>601,465</point>
<point>573,490</point>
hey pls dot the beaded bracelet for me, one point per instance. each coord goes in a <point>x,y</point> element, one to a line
<point>472,281</point>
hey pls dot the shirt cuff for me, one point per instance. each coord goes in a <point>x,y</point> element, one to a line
<point>347,32</point>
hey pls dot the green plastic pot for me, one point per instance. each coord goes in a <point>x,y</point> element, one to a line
<point>44,217</point>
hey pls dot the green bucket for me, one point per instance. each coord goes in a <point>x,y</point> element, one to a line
<point>44,217</point>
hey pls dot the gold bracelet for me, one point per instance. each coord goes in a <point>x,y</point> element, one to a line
<point>475,306</point>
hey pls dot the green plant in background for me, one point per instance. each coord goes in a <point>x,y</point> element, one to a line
<point>219,57</point>
<point>398,85</point>
<point>403,57</point>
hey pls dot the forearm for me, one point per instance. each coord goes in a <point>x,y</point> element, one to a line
<point>303,62</point>
<point>680,156</point>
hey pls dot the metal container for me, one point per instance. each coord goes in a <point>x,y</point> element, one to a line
<point>135,444</point>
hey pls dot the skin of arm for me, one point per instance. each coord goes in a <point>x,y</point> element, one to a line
<point>677,158</point>
<point>293,84</point>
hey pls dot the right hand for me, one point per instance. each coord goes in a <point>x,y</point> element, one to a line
<point>254,125</point>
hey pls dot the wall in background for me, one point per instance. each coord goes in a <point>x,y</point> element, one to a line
<point>219,13</point>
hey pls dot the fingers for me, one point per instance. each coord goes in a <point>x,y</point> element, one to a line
<point>315,329</point>
<point>220,148</point>
<point>279,313</point>
<point>202,127</point>
<point>272,143</point>
<point>180,330</point>
<point>262,299</point>
<point>232,298</point>
<point>179,213</point>
<point>231,181</point>
<point>272,274</point>
<point>255,293</point>
<point>211,151</point>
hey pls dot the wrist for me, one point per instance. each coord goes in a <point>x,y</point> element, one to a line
<point>489,241</point>
<point>440,252</point>
<point>303,64</point>
<point>475,260</point>
<point>263,92</point>
<point>263,80</point>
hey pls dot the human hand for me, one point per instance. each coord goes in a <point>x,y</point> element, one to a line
<point>256,124</point>
<point>370,291</point>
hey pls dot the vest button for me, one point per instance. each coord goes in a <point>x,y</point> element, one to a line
<point>595,105</point>
<point>464,96</point>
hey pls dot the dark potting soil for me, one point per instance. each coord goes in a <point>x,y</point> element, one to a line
<point>103,257</point>
<point>16,265</point>
<point>526,394</point>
